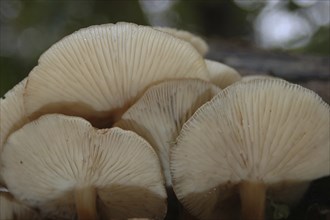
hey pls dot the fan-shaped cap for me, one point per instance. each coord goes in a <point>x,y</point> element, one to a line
<point>101,70</point>
<point>221,74</point>
<point>12,114</point>
<point>161,112</point>
<point>249,137</point>
<point>57,163</point>
<point>199,44</point>
<point>11,209</point>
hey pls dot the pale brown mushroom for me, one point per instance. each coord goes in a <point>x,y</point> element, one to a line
<point>221,74</point>
<point>12,114</point>
<point>63,166</point>
<point>254,77</point>
<point>160,113</point>
<point>263,137</point>
<point>98,72</point>
<point>12,117</point>
<point>199,44</point>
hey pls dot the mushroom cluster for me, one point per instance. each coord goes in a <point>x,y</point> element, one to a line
<point>122,121</point>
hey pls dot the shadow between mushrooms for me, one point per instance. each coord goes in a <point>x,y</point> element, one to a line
<point>99,71</point>
<point>63,166</point>
<point>254,139</point>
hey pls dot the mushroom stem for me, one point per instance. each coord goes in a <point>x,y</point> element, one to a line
<point>253,196</point>
<point>86,203</point>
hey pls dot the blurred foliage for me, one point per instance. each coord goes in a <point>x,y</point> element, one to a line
<point>28,28</point>
<point>319,44</point>
<point>221,18</point>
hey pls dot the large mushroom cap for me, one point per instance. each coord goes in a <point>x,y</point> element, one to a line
<point>199,44</point>
<point>161,112</point>
<point>62,165</point>
<point>99,71</point>
<point>12,114</point>
<point>249,138</point>
<point>221,74</point>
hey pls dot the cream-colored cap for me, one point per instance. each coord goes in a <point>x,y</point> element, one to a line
<point>12,114</point>
<point>160,113</point>
<point>63,166</point>
<point>97,72</point>
<point>221,74</point>
<point>199,44</point>
<point>250,137</point>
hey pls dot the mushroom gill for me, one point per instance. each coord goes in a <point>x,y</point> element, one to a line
<point>262,137</point>
<point>64,167</point>
<point>99,71</point>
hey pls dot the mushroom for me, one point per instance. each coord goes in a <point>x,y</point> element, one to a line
<point>253,139</point>
<point>254,77</point>
<point>159,115</point>
<point>10,209</point>
<point>98,72</point>
<point>199,44</point>
<point>61,165</point>
<point>12,115</point>
<point>161,112</point>
<point>221,74</point>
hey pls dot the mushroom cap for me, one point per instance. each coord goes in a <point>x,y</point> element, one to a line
<point>199,44</point>
<point>12,114</point>
<point>254,77</point>
<point>100,70</point>
<point>266,131</point>
<point>49,160</point>
<point>221,74</point>
<point>12,209</point>
<point>161,112</point>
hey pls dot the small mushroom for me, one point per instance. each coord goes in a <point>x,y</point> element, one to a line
<point>61,165</point>
<point>221,74</point>
<point>253,139</point>
<point>10,209</point>
<point>12,114</point>
<point>199,44</point>
<point>161,112</point>
<point>98,72</point>
<point>159,115</point>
